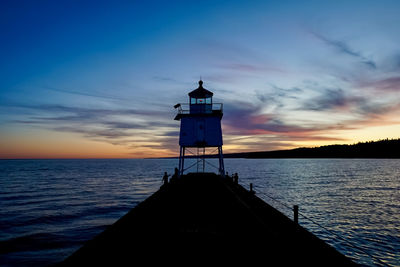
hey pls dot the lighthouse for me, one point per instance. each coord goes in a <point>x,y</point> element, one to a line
<point>200,129</point>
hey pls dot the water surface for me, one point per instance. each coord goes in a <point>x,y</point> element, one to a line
<point>49,208</point>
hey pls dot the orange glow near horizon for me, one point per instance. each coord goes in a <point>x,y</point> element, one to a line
<point>47,145</point>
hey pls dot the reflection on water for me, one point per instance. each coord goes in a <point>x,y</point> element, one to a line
<point>50,207</point>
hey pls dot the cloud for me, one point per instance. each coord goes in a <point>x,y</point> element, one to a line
<point>164,79</point>
<point>276,95</point>
<point>251,68</point>
<point>331,99</point>
<point>387,84</point>
<point>247,119</point>
<point>89,131</point>
<point>243,115</point>
<point>172,133</point>
<point>124,125</point>
<point>81,114</point>
<point>267,98</point>
<point>343,48</point>
<point>140,129</point>
<point>361,108</point>
<point>82,93</point>
<point>118,127</point>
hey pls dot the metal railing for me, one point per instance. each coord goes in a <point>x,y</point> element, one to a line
<point>185,108</point>
<point>335,236</point>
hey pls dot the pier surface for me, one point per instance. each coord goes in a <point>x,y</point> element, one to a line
<point>205,219</point>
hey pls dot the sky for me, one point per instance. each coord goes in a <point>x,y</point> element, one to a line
<point>99,79</point>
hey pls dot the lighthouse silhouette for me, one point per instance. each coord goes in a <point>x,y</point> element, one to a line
<point>200,129</point>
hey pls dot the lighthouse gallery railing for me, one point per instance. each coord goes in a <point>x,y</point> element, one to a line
<point>185,108</point>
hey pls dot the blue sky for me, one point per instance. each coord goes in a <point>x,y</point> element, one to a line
<point>99,78</point>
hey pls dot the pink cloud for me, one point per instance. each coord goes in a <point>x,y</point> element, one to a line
<point>388,84</point>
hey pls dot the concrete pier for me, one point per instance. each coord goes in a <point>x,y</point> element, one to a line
<point>205,219</point>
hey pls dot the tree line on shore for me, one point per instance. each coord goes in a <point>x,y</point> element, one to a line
<point>386,148</point>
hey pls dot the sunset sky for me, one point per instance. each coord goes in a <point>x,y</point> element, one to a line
<point>98,79</point>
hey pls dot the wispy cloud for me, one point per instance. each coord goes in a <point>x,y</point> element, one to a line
<point>333,99</point>
<point>250,68</point>
<point>83,93</point>
<point>247,119</point>
<point>81,114</point>
<point>344,48</point>
<point>164,79</point>
<point>354,112</point>
<point>275,95</point>
<point>90,132</point>
<point>391,84</point>
<point>115,126</point>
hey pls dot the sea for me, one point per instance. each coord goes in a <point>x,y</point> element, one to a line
<point>49,208</point>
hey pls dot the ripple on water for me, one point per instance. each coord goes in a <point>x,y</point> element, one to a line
<point>50,207</point>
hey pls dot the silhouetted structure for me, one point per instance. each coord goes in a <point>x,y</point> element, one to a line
<point>165,178</point>
<point>373,149</point>
<point>203,218</point>
<point>200,127</point>
<point>175,175</point>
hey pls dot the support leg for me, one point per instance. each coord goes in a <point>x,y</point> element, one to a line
<point>197,160</point>
<point>221,162</point>
<point>183,160</point>
<point>203,159</point>
<point>180,161</point>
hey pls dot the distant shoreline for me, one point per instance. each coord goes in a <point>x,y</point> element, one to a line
<point>388,148</point>
<point>382,149</point>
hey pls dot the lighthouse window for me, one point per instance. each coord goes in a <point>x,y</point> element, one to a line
<point>192,100</point>
<point>201,101</point>
<point>208,100</point>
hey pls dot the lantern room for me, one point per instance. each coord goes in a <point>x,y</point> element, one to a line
<point>200,100</point>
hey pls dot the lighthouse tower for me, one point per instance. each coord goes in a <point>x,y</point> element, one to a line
<point>200,128</point>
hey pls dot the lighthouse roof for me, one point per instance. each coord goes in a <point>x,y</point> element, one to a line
<point>200,92</point>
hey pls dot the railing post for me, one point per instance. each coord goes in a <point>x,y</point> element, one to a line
<point>251,188</point>
<point>296,214</point>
